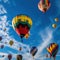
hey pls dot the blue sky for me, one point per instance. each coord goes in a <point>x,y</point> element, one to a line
<point>41,32</point>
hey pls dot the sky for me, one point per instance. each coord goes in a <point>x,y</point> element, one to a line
<point>41,33</point>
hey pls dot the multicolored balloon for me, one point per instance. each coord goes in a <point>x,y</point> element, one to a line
<point>4,29</point>
<point>44,5</point>
<point>22,24</point>
<point>53,49</point>
<point>33,51</point>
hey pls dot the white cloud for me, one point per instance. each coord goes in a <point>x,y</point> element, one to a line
<point>2,9</point>
<point>46,40</point>
<point>16,45</point>
<point>5,1</point>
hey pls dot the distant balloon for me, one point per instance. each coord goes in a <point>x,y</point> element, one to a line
<point>44,5</point>
<point>53,49</point>
<point>19,57</point>
<point>56,19</point>
<point>33,51</point>
<point>54,25</point>
<point>11,42</point>
<point>4,29</point>
<point>20,48</point>
<point>0,38</point>
<point>3,55</point>
<point>22,24</point>
<point>2,46</point>
<point>5,42</point>
<point>46,55</point>
<point>9,56</point>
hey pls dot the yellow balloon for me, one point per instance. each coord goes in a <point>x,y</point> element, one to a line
<point>27,35</point>
<point>54,25</point>
<point>11,42</point>
<point>56,19</point>
<point>21,18</point>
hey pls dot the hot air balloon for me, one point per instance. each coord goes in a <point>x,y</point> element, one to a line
<point>19,57</point>
<point>46,55</point>
<point>9,56</point>
<point>33,51</point>
<point>0,38</point>
<point>56,19</point>
<point>11,42</point>
<point>54,25</point>
<point>3,55</point>
<point>53,49</point>
<point>44,5</point>
<point>20,48</point>
<point>2,46</point>
<point>22,24</point>
<point>4,29</point>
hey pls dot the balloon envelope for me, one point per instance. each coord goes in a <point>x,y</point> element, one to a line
<point>19,57</point>
<point>56,19</point>
<point>53,49</point>
<point>33,51</point>
<point>9,56</point>
<point>54,25</point>
<point>2,46</point>
<point>44,5</point>
<point>22,24</point>
<point>0,38</point>
<point>11,42</point>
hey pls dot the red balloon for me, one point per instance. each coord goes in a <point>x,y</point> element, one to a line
<point>22,30</point>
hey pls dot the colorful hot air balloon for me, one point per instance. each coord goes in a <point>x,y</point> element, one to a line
<point>19,57</point>
<point>44,5</point>
<point>33,51</point>
<point>22,24</point>
<point>53,49</point>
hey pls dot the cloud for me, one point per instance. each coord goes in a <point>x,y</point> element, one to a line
<point>5,1</point>
<point>2,9</point>
<point>6,38</point>
<point>46,40</point>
